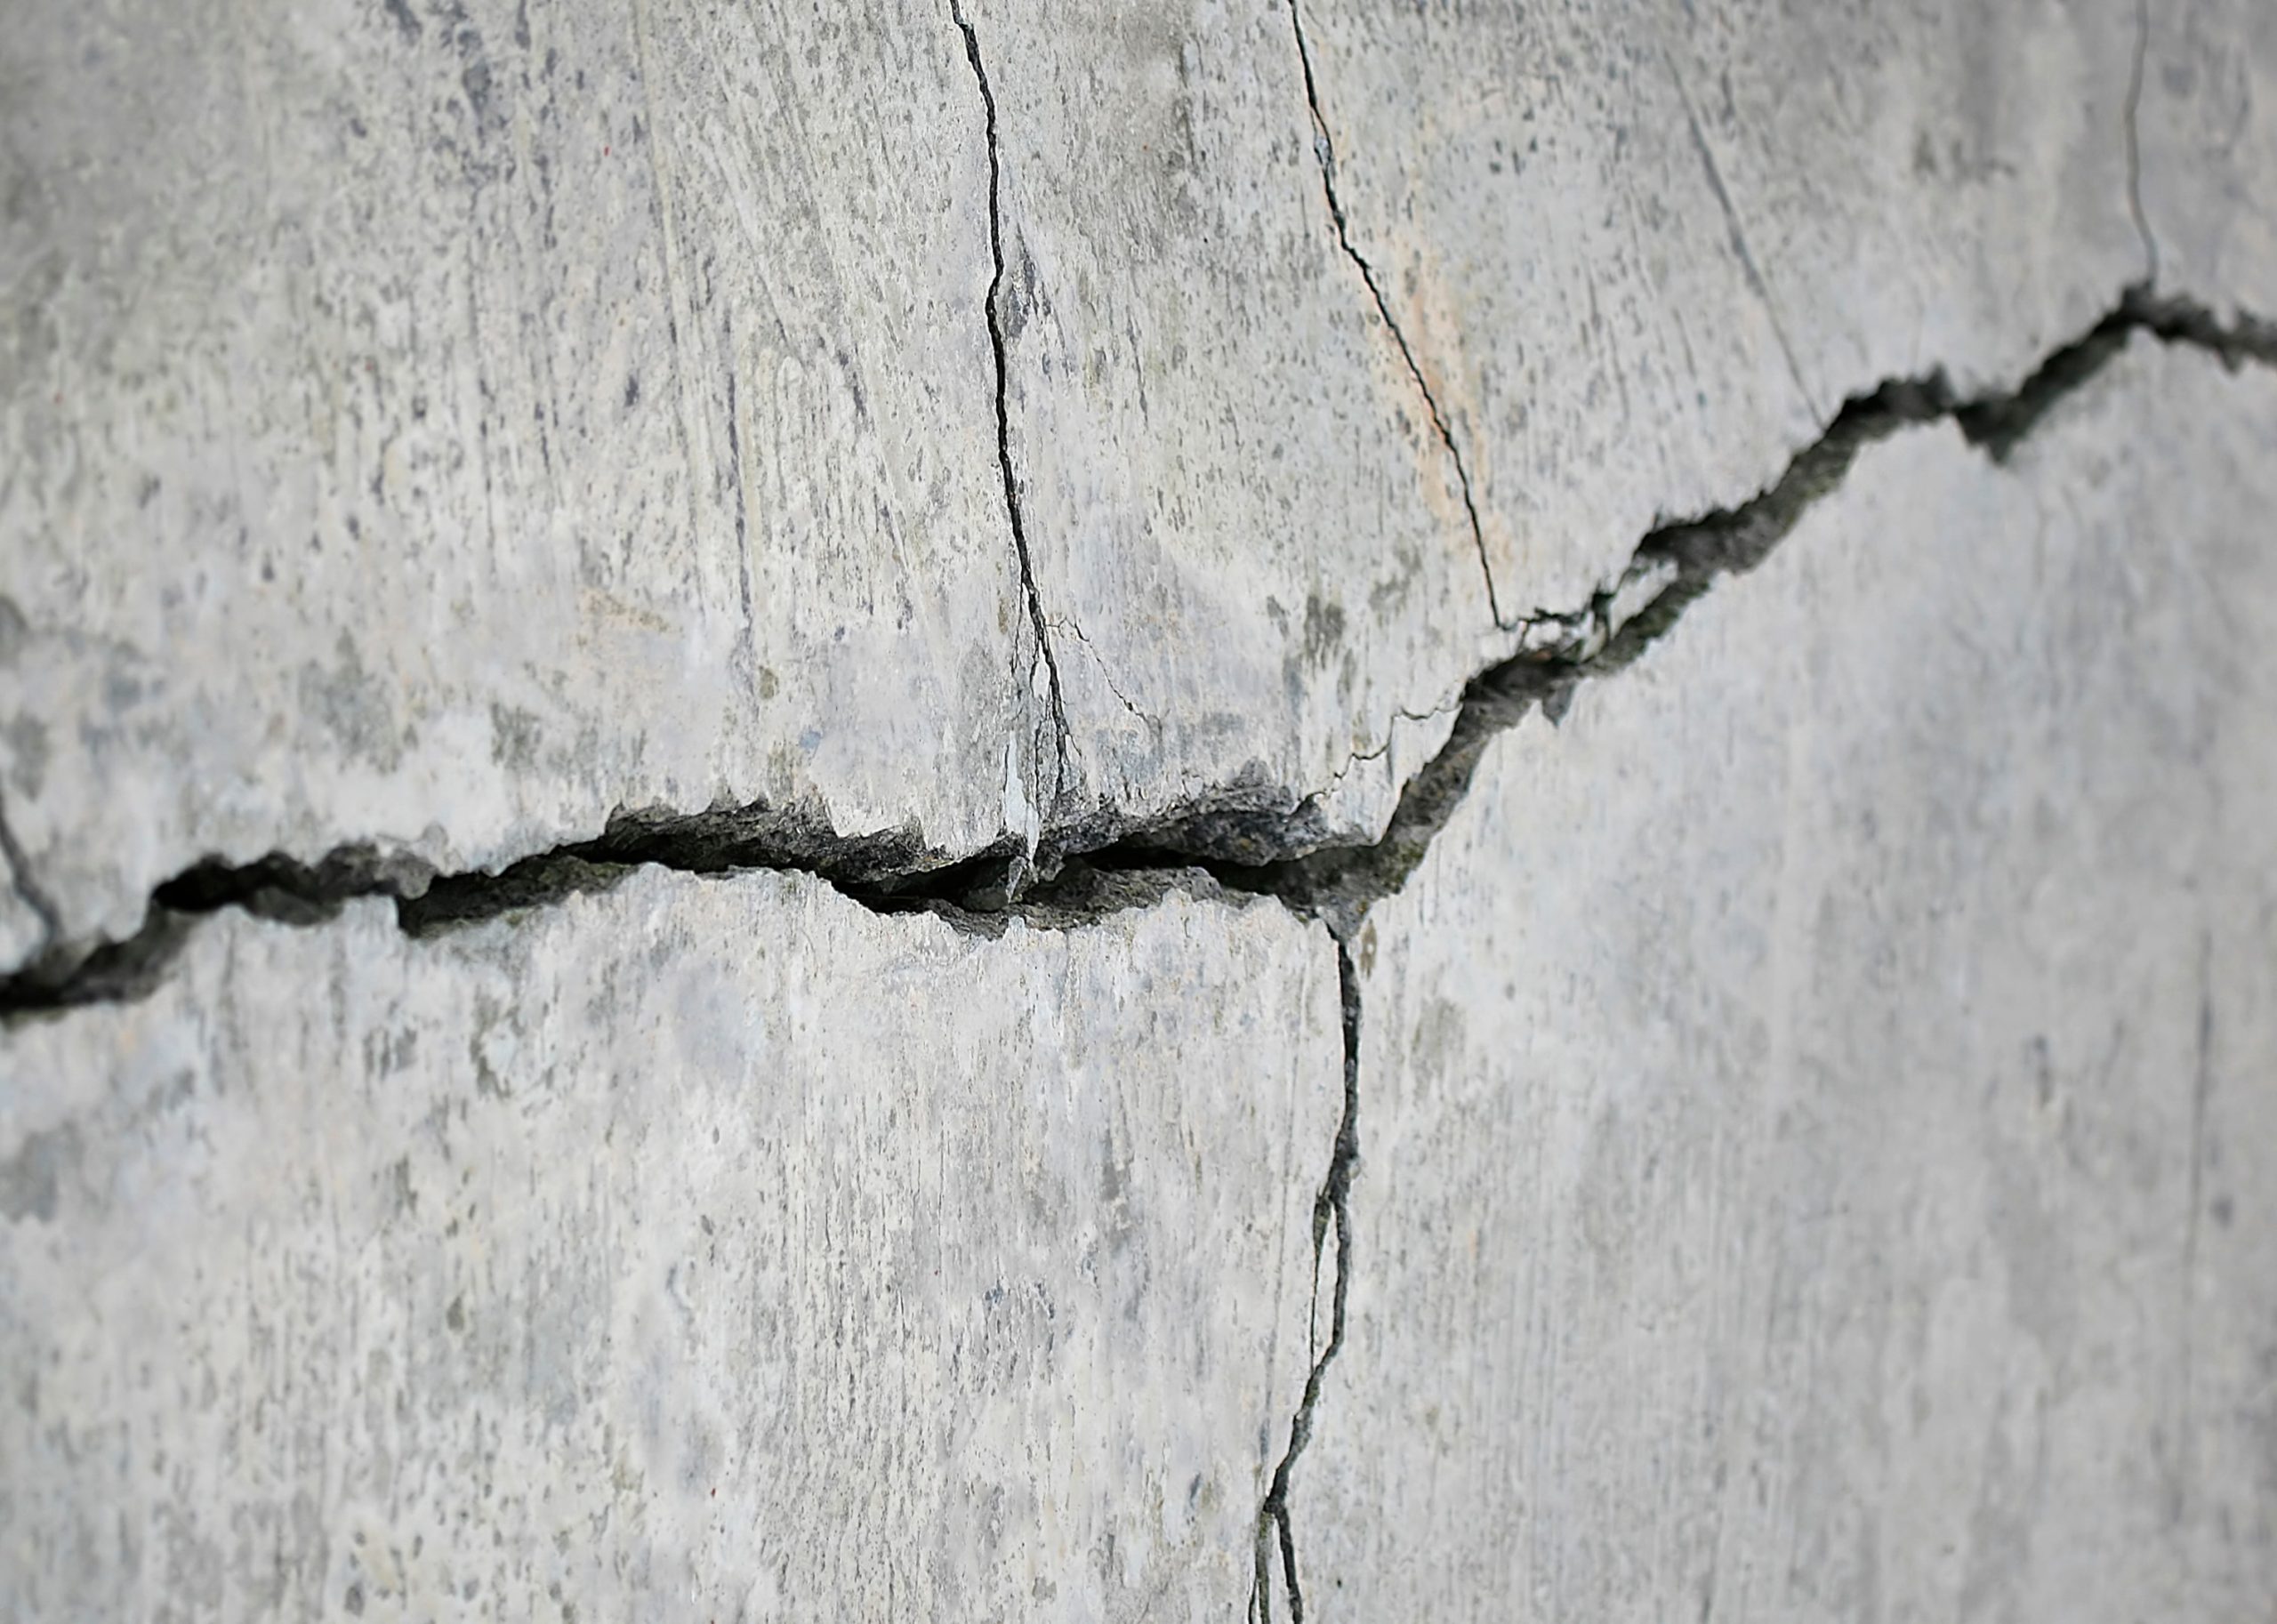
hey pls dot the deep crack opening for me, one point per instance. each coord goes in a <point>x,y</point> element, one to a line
<point>1222,840</point>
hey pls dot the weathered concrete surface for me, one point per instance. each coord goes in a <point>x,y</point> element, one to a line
<point>439,425</point>
<point>707,1248</point>
<point>1643,252</point>
<point>1814,1100</point>
<point>2207,129</point>
<point>1817,1125</point>
<point>1248,537</point>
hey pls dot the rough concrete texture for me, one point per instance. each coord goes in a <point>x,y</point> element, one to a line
<point>2208,152</point>
<point>706,1248</point>
<point>1642,254</point>
<point>439,428</point>
<point>1530,754</point>
<point>1816,1132</point>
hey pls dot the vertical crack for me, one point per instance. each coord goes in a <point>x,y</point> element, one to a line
<point>1331,1213</point>
<point>27,886</point>
<point>1004,411</point>
<point>2133,138</point>
<point>1324,149</point>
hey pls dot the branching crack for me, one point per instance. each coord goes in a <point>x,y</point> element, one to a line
<point>1332,1216</point>
<point>1324,149</point>
<point>996,344</point>
<point>1221,840</point>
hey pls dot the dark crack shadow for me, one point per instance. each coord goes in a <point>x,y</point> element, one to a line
<point>1234,838</point>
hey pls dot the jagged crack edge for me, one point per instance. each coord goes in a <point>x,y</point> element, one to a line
<point>982,892</point>
<point>1340,883</point>
<point>1332,1214</point>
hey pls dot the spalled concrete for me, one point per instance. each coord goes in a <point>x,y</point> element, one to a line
<point>1815,1098</point>
<point>703,1249</point>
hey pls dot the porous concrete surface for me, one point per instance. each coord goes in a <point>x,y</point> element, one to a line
<point>707,1248</point>
<point>1816,1134</point>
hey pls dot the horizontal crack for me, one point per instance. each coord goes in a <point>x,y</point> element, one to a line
<point>1222,840</point>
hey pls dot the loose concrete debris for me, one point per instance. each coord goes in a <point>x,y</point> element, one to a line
<point>909,710</point>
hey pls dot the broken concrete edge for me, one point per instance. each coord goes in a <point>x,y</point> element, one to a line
<point>1242,837</point>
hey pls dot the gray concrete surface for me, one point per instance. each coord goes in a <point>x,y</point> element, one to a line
<point>1642,252</point>
<point>441,426</point>
<point>1808,1101</point>
<point>1817,1133</point>
<point>2208,152</point>
<point>706,1248</point>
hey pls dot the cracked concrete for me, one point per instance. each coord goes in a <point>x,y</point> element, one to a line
<point>782,1260</point>
<point>1056,1278</point>
<point>1666,571</point>
<point>1780,1195</point>
<point>1030,827</point>
<point>698,550</point>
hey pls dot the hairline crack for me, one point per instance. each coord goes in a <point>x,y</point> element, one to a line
<point>998,345</point>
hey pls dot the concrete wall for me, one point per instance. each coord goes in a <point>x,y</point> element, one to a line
<point>1138,811</point>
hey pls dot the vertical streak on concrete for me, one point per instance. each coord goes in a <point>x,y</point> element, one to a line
<point>2129,132</point>
<point>1003,408</point>
<point>1332,1208</point>
<point>1748,267</point>
<point>2201,1089</point>
<point>1324,149</point>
